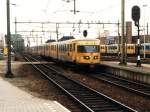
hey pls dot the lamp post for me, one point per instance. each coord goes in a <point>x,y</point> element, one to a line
<point>9,72</point>
<point>123,51</point>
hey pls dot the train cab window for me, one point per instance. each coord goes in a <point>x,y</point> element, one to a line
<point>87,48</point>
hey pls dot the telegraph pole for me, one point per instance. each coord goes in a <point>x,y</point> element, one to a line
<point>119,41</point>
<point>74,6</point>
<point>57,26</point>
<point>9,72</point>
<point>15,25</point>
<point>123,60</point>
<point>147,29</point>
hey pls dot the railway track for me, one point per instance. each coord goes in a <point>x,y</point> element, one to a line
<point>138,88</point>
<point>89,99</point>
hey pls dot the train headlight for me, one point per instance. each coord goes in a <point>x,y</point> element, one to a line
<point>95,57</point>
<point>86,57</point>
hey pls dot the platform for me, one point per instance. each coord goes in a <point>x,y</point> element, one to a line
<point>145,68</point>
<point>13,99</point>
<point>129,71</point>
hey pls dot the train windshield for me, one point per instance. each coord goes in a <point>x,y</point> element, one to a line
<point>88,48</point>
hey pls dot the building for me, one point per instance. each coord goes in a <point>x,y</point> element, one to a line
<point>128,35</point>
<point>129,32</point>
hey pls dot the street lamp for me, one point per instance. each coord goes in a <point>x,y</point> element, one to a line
<point>9,72</point>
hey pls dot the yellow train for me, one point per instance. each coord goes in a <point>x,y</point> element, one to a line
<point>75,51</point>
<point>5,51</point>
<point>113,50</point>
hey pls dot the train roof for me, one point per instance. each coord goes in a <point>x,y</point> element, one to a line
<point>66,38</point>
<point>48,41</point>
<point>83,39</point>
<point>145,44</point>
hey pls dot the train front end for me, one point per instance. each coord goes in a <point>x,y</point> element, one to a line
<point>88,53</point>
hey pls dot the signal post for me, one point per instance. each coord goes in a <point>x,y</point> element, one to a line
<point>136,18</point>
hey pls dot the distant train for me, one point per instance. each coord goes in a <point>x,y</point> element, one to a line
<point>74,51</point>
<point>113,50</point>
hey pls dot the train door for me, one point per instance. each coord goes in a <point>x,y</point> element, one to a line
<point>70,53</point>
<point>73,52</point>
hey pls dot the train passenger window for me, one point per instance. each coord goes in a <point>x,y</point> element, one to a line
<point>102,47</point>
<point>65,47</point>
<point>62,47</point>
<point>115,47</point>
<point>52,47</point>
<point>73,47</point>
<point>70,47</point>
<point>147,47</point>
<point>59,47</point>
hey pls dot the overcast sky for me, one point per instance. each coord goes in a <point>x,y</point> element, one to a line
<point>59,10</point>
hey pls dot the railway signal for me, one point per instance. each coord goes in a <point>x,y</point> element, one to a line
<point>85,33</point>
<point>136,14</point>
<point>136,18</point>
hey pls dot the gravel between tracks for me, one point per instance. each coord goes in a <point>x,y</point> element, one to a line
<point>31,81</point>
<point>136,102</point>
